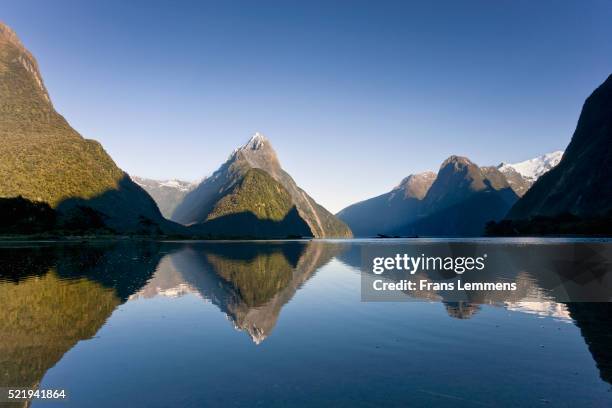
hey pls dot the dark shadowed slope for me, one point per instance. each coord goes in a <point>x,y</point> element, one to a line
<point>581,184</point>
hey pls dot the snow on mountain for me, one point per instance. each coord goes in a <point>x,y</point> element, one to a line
<point>166,193</point>
<point>179,185</point>
<point>256,142</point>
<point>532,169</point>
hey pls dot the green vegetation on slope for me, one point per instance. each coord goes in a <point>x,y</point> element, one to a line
<point>257,193</point>
<point>256,206</point>
<point>44,160</point>
<point>41,157</point>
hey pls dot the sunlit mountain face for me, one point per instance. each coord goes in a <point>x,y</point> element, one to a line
<point>43,160</point>
<point>70,312</point>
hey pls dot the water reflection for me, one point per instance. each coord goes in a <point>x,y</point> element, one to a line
<point>249,282</point>
<point>53,296</point>
<point>595,323</point>
<point>546,274</point>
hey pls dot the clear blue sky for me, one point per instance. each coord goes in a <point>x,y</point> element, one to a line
<point>353,95</point>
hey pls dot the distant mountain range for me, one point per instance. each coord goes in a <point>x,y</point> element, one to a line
<point>166,193</point>
<point>457,201</point>
<point>250,194</point>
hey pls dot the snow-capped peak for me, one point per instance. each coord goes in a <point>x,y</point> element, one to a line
<point>256,141</point>
<point>532,169</point>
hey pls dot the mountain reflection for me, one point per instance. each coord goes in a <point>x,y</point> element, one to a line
<point>52,297</point>
<point>547,276</point>
<point>249,282</point>
<point>595,323</point>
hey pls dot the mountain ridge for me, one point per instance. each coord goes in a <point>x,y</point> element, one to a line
<point>385,214</point>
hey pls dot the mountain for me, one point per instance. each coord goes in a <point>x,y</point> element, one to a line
<point>266,201</point>
<point>255,206</point>
<point>581,183</point>
<point>458,201</point>
<point>461,200</point>
<point>43,159</point>
<point>166,193</point>
<point>388,211</point>
<point>522,175</point>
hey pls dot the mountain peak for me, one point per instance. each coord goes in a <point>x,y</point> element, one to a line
<point>256,142</point>
<point>44,159</point>
<point>26,84</point>
<point>8,34</point>
<point>532,169</point>
<point>456,161</point>
<point>259,153</point>
<point>416,185</point>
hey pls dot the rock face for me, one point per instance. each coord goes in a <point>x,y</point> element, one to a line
<point>257,200</point>
<point>581,183</point>
<point>43,159</point>
<point>522,175</point>
<point>166,193</point>
<point>389,211</point>
<point>461,200</point>
<point>517,181</point>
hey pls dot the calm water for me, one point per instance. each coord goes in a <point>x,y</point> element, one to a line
<point>283,324</point>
